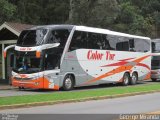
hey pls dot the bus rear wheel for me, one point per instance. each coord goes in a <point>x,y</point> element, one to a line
<point>126,79</point>
<point>134,79</point>
<point>68,83</point>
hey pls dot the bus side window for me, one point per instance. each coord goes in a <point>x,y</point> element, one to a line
<point>11,60</point>
<point>112,41</point>
<point>51,61</point>
<point>105,43</point>
<point>53,38</point>
<point>142,45</point>
<point>131,45</point>
<point>122,44</point>
<point>153,47</point>
<point>78,41</point>
<point>94,40</point>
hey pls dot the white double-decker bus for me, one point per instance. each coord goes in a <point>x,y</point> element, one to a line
<point>68,56</point>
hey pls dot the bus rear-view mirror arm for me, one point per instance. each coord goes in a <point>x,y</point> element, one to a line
<point>45,46</point>
<point>5,50</point>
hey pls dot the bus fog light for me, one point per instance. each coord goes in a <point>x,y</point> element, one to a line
<point>36,83</point>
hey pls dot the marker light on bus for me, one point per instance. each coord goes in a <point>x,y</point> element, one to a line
<point>4,54</point>
<point>38,54</point>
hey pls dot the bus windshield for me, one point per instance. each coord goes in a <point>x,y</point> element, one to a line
<point>29,38</point>
<point>155,47</point>
<point>32,37</point>
<point>27,64</point>
<point>155,63</point>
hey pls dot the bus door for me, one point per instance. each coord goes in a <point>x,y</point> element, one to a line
<point>9,66</point>
<point>51,68</point>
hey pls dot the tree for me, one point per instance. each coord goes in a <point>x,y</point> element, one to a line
<point>132,20</point>
<point>97,13</point>
<point>7,11</point>
<point>43,11</point>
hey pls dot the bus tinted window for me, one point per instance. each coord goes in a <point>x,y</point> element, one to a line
<point>94,40</point>
<point>142,45</point>
<point>155,47</point>
<point>112,41</point>
<point>122,44</point>
<point>155,63</point>
<point>52,61</point>
<point>79,40</point>
<point>31,37</point>
<point>58,36</point>
<point>105,43</point>
<point>89,40</point>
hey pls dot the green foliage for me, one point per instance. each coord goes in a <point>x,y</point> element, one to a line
<point>140,17</point>
<point>131,19</point>
<point>98,13</point>
<point>7,11</point>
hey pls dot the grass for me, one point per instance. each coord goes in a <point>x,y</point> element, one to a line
<point>57,96</point>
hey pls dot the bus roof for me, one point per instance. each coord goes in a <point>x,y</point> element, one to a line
<point>106,31</point>
<point>53,26</point>
<point>156,40</point>
<point>88,29</point>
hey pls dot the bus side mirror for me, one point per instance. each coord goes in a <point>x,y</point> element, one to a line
<point>5,50</point>
<point>38,54</point>
<point>5,54</point>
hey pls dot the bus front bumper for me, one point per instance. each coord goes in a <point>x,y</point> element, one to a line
<point>155,74</point>
<point>39,83</point>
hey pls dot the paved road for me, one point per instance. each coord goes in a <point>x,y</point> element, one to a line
<point>16,92</point>
<point>133,104</point>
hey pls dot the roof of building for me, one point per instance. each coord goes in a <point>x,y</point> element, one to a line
<point>19,26</point>
<point>11,30</point>
<point>16,28</point>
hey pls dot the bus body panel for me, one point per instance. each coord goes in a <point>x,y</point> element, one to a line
<point>88,66</point>
<point>41,80</point>
<point>103,70</point>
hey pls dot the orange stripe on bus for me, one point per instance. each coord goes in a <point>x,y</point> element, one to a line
<point>117,70</point>
<point>148,76</point>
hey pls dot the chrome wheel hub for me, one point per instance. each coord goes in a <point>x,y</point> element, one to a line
<point>68,83</point>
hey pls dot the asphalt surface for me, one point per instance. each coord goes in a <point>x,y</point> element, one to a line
<point>17,92</point>
<point>126,105</point>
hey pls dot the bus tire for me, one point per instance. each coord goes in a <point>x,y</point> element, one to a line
<point>126,79</point>
<point>68,83</point>
<point>21,88</point>
<point>134,78</point>
<point>154,79</point>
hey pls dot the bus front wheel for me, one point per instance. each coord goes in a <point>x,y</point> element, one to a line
<point>68,83</point>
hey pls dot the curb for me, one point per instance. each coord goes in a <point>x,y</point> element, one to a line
<point>7,88</point>
<point>26,105</point>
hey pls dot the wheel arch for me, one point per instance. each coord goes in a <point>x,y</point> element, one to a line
<point>69,73</point>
